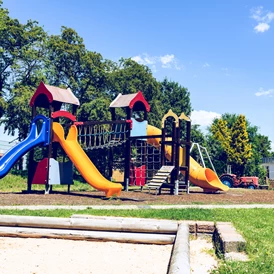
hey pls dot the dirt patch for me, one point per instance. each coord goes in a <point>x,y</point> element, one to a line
<point>136,197</point>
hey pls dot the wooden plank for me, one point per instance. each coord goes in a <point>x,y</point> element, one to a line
<point>161,175</point>
<point>145,238</point>
<point>155,184</point>
<point>157,176</point>
<point>158,180</point>
<point>166,168</point>
<point>163,172</point>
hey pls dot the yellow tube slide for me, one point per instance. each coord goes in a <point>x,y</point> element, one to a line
<point>198,175</point>
<point>82,161</point>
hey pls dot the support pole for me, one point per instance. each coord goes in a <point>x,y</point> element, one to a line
<point>31,167</point>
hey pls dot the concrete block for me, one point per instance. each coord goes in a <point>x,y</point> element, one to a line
<point>228,239</point>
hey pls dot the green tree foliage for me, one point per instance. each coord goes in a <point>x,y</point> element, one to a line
<point>71,65</point>
<point>261,147</point>
<point>234,141</point>
<point>175,97</point>
<point>28,69</point>
<point>18,114</point>
<point>21,69</point>
<point>241,148</point>
<point>217,154</point>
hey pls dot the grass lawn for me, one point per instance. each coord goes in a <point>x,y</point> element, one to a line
<point>17,183</point>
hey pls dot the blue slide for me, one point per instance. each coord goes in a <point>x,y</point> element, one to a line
<point>34,139</point>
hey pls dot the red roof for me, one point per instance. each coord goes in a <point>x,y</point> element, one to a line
<point>54,94</point>
<point>129,100</point>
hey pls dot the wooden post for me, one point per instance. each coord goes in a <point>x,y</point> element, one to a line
<point>110,163</point>
<point>128,151</point>
<point>173,156</point>
<point>188,144</point>
<point>163,139</point>
<point>47,186</point>
<point>177,158</point>
<point>31,165</point>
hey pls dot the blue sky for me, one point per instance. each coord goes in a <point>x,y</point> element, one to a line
<point>222,51</point>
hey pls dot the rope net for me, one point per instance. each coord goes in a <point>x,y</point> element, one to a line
<point>145,162</point>
<point>102,135</point>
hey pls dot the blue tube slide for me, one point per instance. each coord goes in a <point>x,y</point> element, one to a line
<point>34,139</point>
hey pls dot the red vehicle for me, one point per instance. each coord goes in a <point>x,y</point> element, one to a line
<point>231,180</point>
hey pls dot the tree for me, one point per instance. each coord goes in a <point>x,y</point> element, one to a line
<point>18,113</point>
<point>24,57</point>
<point>234,141</point>
<point>175,97</point>
<point>10,44</point>
<point>261,147</point>
<point>241,148</point>
<point>21,69</point>
<point>71,65</point>
<point>28,68</point>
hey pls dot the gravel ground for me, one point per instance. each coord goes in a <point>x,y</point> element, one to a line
<point>196,196</point>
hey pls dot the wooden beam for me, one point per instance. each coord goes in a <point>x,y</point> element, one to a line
<point>88,222</point>
<point>144,238</point>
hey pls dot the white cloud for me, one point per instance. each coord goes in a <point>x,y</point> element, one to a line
<point>169,58</point>
<point>166,61</point>
<point>206,65</point>
<point>203,118</point>
<point>262,17</point>
<point>138,59</point>
<point>144,59</point>
<point>263,92</point>
<point>262,27</point>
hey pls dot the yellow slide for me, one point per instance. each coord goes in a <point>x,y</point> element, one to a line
<point>82,161</point>
<point>198,175</point>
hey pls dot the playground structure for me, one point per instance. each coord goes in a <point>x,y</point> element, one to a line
<point>151,147</point>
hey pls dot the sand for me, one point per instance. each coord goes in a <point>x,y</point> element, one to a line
<point>55,256</point>
<point>202,261</point>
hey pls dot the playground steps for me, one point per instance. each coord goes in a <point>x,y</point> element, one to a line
<point>160,178</point>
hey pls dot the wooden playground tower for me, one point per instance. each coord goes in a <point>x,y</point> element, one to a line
<point>131,103</point>
<point>169,178</point>
<point>179,156</point>
<point>48,171</point>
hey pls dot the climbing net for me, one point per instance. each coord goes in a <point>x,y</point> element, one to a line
<point>100,135</point>
<point>145,161</point>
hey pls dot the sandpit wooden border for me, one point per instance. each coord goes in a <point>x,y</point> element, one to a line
<point>126,230</point>
<point>97,228</point>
